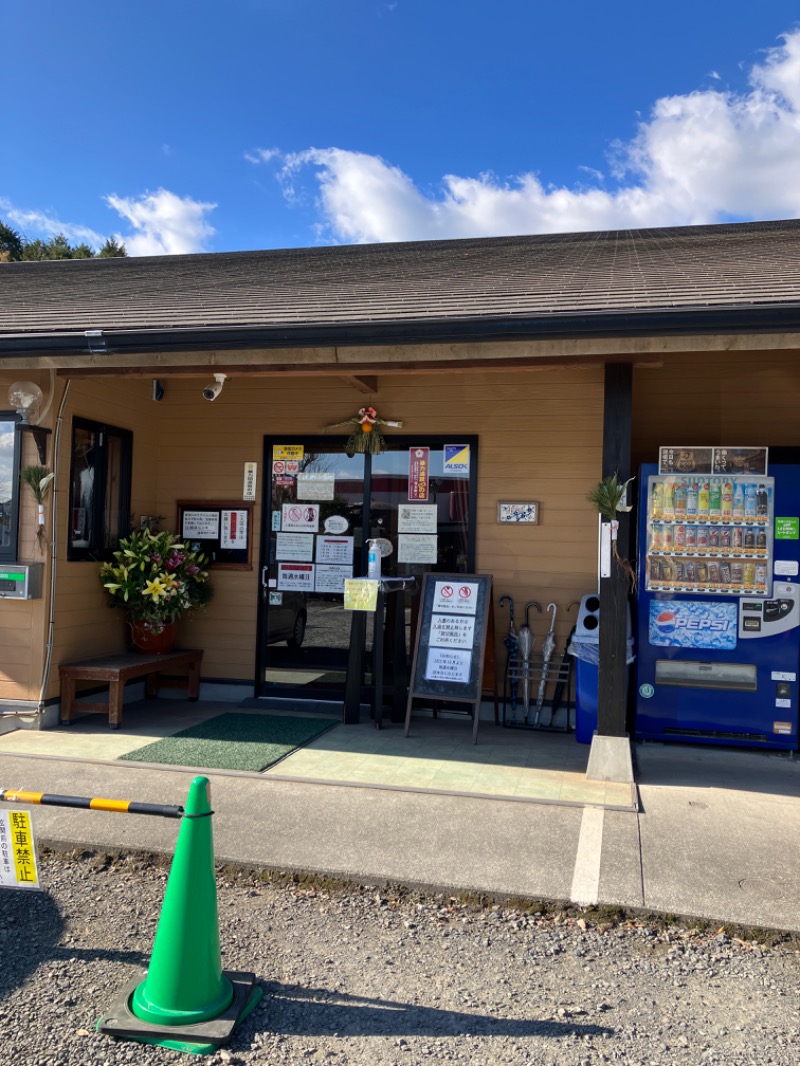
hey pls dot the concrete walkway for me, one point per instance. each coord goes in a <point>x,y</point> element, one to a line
<point>715,833</point>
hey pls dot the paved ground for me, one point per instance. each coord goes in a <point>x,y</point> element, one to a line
<point>716,833</point>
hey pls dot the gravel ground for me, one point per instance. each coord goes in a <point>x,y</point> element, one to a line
<point>357,975</point>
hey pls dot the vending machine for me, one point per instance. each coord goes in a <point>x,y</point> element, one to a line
<point>718,598</point>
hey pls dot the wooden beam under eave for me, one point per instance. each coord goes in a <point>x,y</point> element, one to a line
<point>369,386</point>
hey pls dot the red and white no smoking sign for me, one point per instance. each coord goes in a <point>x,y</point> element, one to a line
<point>457,597</point>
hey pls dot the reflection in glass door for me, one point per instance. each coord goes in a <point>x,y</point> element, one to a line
<point>322,508</point>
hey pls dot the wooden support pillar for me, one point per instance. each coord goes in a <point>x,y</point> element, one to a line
<point>612,690</point>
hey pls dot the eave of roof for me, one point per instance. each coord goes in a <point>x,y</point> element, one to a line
<point>721,279</point>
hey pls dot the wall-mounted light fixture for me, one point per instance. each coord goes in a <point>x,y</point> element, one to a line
<point>26,399</point>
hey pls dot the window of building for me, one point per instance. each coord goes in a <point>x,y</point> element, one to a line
<point>9,485</point>
<point>100,489</point>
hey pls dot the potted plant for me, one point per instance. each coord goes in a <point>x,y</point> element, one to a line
<point>608,497</point>
<point>156,580</point>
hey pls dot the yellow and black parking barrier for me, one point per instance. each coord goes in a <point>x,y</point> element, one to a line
<point>185,1001</point>
<point>92,803</point>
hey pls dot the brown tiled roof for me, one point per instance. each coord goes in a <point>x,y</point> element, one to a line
<point>513,286</point>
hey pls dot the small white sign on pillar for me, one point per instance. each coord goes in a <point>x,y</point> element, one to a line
<point>250,478</point>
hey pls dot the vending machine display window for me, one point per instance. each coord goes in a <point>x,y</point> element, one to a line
<point>709,535</point>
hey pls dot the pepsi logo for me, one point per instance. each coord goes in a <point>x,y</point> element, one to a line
<point>666,622</point>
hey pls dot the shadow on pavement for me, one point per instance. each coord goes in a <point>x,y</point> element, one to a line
<point>319,1012</point>
<point>694,766</point>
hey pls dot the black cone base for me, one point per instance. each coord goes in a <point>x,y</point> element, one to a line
<point>122,1022</point>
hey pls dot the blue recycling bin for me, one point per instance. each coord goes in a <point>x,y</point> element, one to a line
<point>585,647</point>
<point>586,685</point>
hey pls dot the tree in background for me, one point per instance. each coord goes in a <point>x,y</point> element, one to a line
<point>14,248</point>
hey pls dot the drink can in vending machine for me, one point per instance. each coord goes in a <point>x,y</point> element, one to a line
<point>761,575</point>
<point>737,538</point>
<point>713,537</point>
<point>749,574</point>
<point>702,538</point>
<point>657,500</point>
<point>667,570</point>
<point>655,570</point>
<point>702,573</point>
<point>689,571</point>
<point>713,573</point>
<point>725,573</point>
<point>749,540</point>
<point>679,537</point>
<point>666,537</point>
<point>656,537</point>
<point>691,537</point>
<point>679,571</point>
<point>761,540</point>
<point>737,573</point>
<point>725,537</point>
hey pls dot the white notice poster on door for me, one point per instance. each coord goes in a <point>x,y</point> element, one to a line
<point>335,550</point>
<point>417,518</point>
<point>331,578</point>
<point>298,547</point>
<point>300,517</point>
<point>297,576</point>
<point>416,548</point>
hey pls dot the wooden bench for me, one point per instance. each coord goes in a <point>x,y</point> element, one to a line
<point>116,670</point>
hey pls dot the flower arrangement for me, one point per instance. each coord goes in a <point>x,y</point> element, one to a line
<point>155,579</point>
<point>608,497</point>
<point>366,436</point>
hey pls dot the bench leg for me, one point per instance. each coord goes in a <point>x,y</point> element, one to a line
<point>194,680</point>
<point>115,690</point>
<point>67,699</point>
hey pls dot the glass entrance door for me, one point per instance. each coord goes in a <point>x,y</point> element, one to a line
<point>322,507</point>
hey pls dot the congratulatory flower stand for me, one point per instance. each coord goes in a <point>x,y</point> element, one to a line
<point>156,580</point>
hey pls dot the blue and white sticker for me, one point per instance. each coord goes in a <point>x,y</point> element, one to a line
<point>456,458</point>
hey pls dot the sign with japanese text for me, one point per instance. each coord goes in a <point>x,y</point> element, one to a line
<point>234,529</point>
<point>419,466</point>
<point>297,576</point>
<point>250,479</point>
<point>360,594</point>
<point>17,851</point>
<point>288,451</point>
<point>300,517</point>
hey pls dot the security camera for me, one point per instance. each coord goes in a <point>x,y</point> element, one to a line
<point>211,392</point>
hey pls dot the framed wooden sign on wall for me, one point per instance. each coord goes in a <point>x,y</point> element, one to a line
<point>451,639</point>
<point>222,530</point>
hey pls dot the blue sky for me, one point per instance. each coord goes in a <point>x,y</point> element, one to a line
<point>182,127</point>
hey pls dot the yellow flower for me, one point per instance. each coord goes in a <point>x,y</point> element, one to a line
<point>155,588</point>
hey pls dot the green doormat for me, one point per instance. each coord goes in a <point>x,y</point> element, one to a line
<point>234,742</point>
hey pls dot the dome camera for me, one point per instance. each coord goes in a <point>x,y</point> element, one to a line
<point>212,391</point>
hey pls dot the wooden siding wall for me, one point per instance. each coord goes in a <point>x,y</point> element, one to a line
<point>716,399</point>
<point>540,438</point>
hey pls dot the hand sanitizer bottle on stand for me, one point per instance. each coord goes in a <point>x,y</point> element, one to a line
<point>373,561</point>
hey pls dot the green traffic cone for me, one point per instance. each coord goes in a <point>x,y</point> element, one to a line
<point>186,1001</point>
<point>184,982</point>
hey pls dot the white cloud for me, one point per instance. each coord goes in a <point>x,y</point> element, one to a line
<point>703,157</point>
<point>163,223</point>
<point>40,223</point>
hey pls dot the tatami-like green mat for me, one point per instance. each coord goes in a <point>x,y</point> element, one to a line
<point>234,742</point>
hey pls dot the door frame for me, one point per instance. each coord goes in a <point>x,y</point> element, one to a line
<point>397,442</point>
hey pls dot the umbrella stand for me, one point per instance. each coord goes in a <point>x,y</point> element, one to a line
<point>510,641</point>
<point>547,652</point>
<point>525,647</point>
<point>563,672</point>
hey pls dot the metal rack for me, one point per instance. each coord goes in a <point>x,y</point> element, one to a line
<point>557,671</point>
